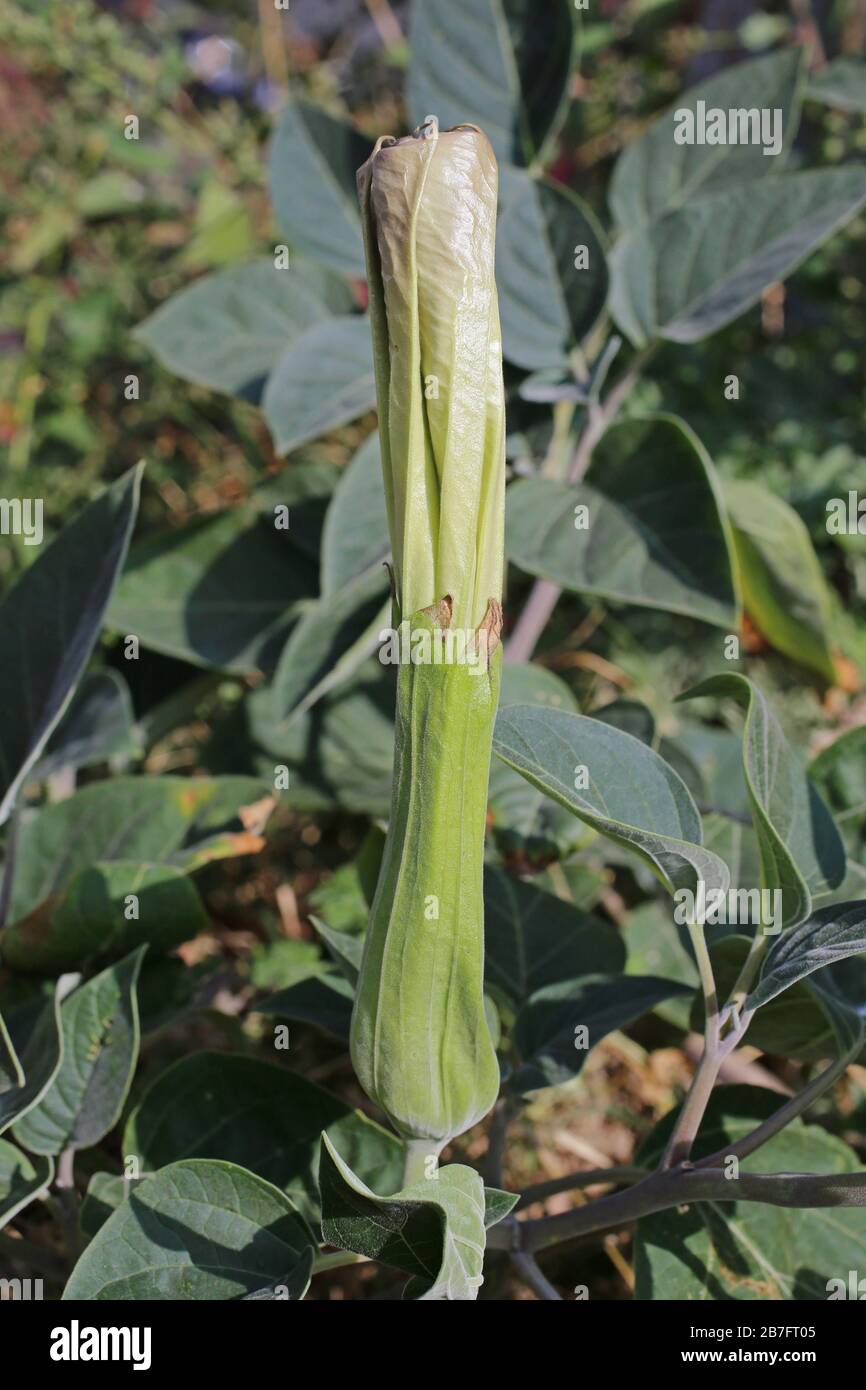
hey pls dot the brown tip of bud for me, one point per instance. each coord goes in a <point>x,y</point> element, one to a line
<point>489,631</point>
<point>440,612</point>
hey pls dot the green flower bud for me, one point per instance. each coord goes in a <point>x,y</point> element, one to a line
<point>429,218</point>
<point>420,1040</point>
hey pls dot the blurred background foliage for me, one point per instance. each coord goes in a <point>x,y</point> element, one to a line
<point>99,231</point>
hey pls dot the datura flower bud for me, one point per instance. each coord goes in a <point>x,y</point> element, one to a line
<point>420,1040</point>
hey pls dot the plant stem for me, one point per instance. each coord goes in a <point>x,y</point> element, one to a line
<point>751,965</point>
<point>545,594</point>
<point>502,1113</point>
<point>64,1183</point>
<point>675,1187</point>
<point>273,49</point>
<point>418,1151</point>
<point>535,1278</point>
<point>688,1122</point>
<point>386,22</point>
<point>781,1117</point>
<point>615,1177</point>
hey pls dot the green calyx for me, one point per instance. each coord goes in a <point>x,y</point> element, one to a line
<point>420,1042</point>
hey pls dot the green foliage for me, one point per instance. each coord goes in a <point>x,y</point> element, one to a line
<point>144,862</point>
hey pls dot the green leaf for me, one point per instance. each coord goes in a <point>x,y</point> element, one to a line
<point>228,330</point>
<point>633,797</point>
<point>842,83</point>
<point>655,537</point>
<point>259,1116</point>
<point>698,268</point>
<point>545,50</point>
<point>105,1192</point>
<point>199,1229</point>
<point>655,174</point>
<point>830,935</point>
<point>355,538</point>
<point>528,827</point>
<point>533,939</point>
<point>433,1230</point>
<point>342,752</point>
<point>750,1250</point>
<point>215,591</point>
<point>49,623</point>
<point>801,853</point>
<point>330,642</point>
<point>345,948</point>
<point>545,1030</point>
<point>312,175</point>
<point>526,684</point>
<point>100,1028</point>
<point>182,822</point>
<point>497,1205</point>
<point>24,1082</point>
<point>801,1023</point>
<point>783,585</point>
<point>501,64</point>
<point>22,1180</point>
<point>839,773</point>
<point>324,379</point>
<point>547,304</point>
<point>97,726</point>
<point>325,1002</point>
<point>656,947</point>
<point>632,717</point>
<point>87,922</point>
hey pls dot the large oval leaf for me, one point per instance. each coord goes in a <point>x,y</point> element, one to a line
<point>693,271</point>
<point>312,164</point>
<point>355,536</point>
<point>228,330</point>
<point>180,821</point>
<point>631,794</point>
<point>260,1116</point>
<point>29,1060</point>
<point>655,535</point>
<point>49,623</point>
<point>546,1028</point>
<point>324,379</point>
<point>655,174</point>
<point>802,856</point>
<point>532,939</point>
<point>832,934</point>
<point>197,1230</point>
<point>213,592</point>
<point>501,64</point>
<point>22,1180</point>
<point>547,302</point>
<point>783,585</point>
<point>100,1028</point>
